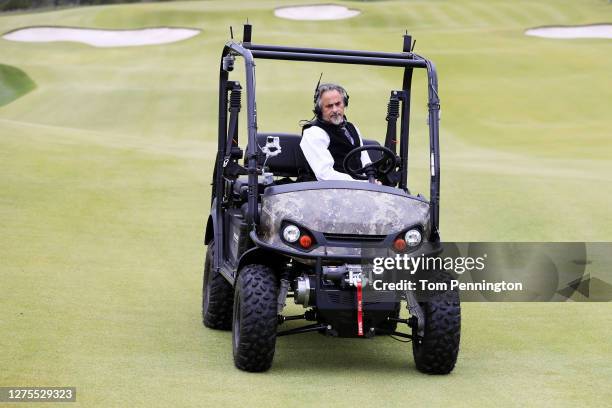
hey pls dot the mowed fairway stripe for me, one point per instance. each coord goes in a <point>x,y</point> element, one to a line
<point>493,16</point>
<point>43,134</point>
<point>466,15</point>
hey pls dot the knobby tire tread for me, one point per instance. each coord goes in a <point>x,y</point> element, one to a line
<point>437,353</point>
<point>255,300</point>
<point>218,315</point>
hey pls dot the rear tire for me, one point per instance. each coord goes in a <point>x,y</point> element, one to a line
<point>217,296</point>
<point>255,318</point>
<point>436,352</point>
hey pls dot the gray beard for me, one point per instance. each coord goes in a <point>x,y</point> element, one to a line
<point>336,120</point>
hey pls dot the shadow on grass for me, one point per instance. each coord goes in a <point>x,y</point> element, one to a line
<point>314,351</point>
<point>14,83</point>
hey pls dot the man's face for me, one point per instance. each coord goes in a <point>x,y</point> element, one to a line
<point>332,106</point>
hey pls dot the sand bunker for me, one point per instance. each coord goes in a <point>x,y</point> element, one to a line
<point>102,38</point>
<point>585,31</point>
<point>320,12</point>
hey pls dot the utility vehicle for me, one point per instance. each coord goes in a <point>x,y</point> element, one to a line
<point>272,236</point>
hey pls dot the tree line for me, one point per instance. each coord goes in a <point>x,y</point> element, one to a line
<point>8,5</point>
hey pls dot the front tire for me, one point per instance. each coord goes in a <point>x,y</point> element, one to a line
<point>436,352</point>
<point>217,296</point>
<point>255,318</point>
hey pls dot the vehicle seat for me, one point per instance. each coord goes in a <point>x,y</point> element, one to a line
<point>290,162</point>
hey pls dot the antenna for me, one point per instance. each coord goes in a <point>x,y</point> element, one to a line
<point>317,88</point>
<point>319,82</point>
<point>231,32</point>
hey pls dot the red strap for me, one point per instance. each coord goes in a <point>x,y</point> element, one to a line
<point>359,310</point>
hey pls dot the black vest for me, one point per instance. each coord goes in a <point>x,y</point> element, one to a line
<point>339,145</point>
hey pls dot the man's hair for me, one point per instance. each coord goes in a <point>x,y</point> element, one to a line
<point>329,87</point>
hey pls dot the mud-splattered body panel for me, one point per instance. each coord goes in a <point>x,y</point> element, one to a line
<point>341,211</point>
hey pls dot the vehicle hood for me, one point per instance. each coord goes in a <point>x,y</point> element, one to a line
<point>354,211</point>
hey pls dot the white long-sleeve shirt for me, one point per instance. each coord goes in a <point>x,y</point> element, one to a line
<point>315,144</point>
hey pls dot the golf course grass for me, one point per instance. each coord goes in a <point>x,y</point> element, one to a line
<point>105,190</point>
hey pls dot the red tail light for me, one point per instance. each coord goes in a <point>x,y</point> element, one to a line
<point>306,241</point>
<point>399,245</point>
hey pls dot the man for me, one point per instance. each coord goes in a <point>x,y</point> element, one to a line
<point>329,137</point>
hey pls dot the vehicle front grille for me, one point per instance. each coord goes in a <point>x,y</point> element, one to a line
<point>342,297</point>
<point>354,237</point>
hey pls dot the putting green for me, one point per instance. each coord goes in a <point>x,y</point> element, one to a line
<point>106,167</point>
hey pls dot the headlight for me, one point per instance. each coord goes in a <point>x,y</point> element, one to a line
<point>291,233</point>
<point>413,237</point>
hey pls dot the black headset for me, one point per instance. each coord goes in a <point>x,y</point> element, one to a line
<point>317,109</point>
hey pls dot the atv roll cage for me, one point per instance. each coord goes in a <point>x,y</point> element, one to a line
<point>228,134</point>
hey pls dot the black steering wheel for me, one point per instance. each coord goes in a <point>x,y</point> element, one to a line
<point>376,169</point>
